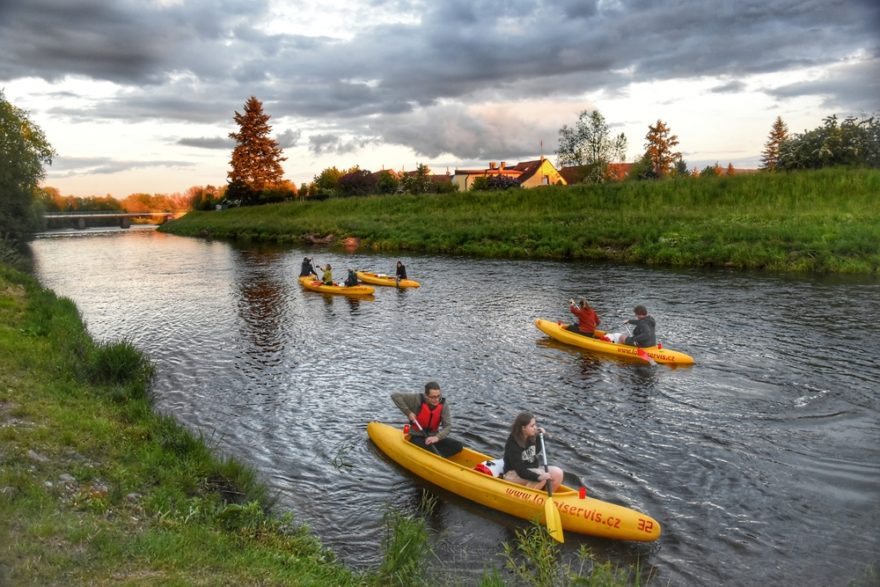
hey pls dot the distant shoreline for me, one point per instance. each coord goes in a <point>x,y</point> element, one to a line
<point>823,221</point>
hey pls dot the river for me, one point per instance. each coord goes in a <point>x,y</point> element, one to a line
<point>761,462</point>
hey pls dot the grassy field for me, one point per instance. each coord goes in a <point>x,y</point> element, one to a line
<point>813,221</point>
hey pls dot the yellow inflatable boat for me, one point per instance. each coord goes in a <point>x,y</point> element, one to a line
<point>386,280</point>
<point>579,514</point>
<point>657,353</point>
<point>312,283</point>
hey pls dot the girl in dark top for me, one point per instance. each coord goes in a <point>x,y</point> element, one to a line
<point>352,279</point>
<point>401,271</point>
<point>522,462</point>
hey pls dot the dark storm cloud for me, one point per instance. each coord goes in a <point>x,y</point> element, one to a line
<point>859,81</point>
<point>729,88</point>
<point>320,144</point>
<point>199,60</point>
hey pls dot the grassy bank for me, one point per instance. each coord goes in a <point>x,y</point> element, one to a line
<point>824,221</point>
<point>98,489</point>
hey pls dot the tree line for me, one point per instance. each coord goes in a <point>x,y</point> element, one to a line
<point>256,174</point>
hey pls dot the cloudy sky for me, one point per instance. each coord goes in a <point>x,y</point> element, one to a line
<point>139,95</point>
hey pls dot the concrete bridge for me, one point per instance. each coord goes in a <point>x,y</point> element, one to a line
<point>83,219</point>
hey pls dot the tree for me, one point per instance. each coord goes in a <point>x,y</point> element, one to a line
<point>327,182</point>
<point>256,159</point>
<point>590,143</point>
<point>418,182</point>
<point>852,142</point>
<point>501,183</point>
<point>24,151</point>
<point>770,154</point>
<point>658,148</point>
<point>681,168</point>
<point>387,182</point>
<point>357,182</point>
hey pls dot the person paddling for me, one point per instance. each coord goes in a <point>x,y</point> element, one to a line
<point>306,268</point>
<point>522,462</point>
<point>429,412</point>
<point>327,275</point>
<point>644,333</point>
<point>588,320</point>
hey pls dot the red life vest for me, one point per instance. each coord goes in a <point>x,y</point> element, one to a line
<point>429,419</point>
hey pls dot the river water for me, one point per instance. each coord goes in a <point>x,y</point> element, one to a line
<point>761,462</point>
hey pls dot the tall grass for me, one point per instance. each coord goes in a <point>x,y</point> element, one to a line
<point>825,220</point>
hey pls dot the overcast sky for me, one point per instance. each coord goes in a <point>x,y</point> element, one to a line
<point>139,95</point>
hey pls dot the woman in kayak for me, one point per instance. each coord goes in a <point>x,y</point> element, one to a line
<point>522,463</point>
<point>588,320</point>
<point>400,272</point>
<point>352,279</point>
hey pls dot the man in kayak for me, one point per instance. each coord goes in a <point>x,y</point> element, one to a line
<point>521,456</point>
<point>588,320</point>
<point>429,412</point>
<point>306,268</point>
<point>643,334</point>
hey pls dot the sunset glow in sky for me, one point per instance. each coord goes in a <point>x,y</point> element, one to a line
<point>139,95</point>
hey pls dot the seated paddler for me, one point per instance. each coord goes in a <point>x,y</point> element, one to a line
<point>430,420</point>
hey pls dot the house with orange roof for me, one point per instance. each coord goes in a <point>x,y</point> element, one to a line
<point>528,174</point>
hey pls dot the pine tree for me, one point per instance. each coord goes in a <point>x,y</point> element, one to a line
<point>658,149</point>
<point>256,159</point>
<point>770,154</point>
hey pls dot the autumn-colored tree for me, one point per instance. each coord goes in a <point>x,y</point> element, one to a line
<point>730,169</point>
<point>658,148</point>
<point>770,154</point>
<point>256,159</point>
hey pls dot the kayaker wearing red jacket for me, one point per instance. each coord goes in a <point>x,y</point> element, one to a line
<point>432,414</point>
<point>588,320</point>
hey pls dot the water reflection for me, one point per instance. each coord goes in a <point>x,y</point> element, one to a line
<point>768,437</point>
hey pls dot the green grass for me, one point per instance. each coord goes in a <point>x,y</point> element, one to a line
<point>98,489</point>
<point>817,221</point>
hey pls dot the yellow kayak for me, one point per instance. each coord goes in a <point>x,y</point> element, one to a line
<point>312,283</point>
<point>387,280</point>
<point>582,515</point>
<point>659,354</point>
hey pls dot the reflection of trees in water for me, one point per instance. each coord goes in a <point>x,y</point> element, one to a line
<point>261,298</point>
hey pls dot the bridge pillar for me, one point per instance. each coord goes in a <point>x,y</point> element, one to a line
<point>125,222</point>
<point>80,222</point>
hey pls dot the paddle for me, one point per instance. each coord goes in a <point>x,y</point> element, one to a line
<point>640,351</point>
<point>434,448</point>
<point>551,514</point>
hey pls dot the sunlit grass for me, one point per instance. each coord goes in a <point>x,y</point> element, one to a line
<point>825,221</point>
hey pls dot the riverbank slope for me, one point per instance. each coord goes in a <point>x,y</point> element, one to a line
<point>818,221</point>
<point>97,489</point>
